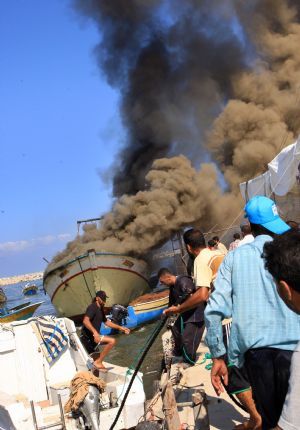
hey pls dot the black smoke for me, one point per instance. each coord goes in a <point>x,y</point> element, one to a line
<point>173,63</point>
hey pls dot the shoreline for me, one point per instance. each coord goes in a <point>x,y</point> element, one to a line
<point>28,277</point>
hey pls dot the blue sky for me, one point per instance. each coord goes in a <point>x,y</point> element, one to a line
<point>59,127</point>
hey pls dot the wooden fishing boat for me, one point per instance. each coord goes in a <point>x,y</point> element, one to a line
<point>17,313</point>
<point>30,289</point>
<point>143,310</point>
<point>3,297</point>
<point>73,284</point>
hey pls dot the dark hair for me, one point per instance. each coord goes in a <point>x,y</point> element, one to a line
<point>236,236</point>
<point>216,238</point>
<point>194,238</point>
<point>246,229</point>
<point>282,258</point>
<point>258,229</point>
<point>211,243</point>
<point>293,224</point>
<point>163,271</point>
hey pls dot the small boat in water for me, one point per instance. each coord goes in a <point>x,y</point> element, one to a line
<point>73,284</point>
<point>41,359</point>
<point>30,290</point>
<point>143,310</point>
<point>3,297</point>
<point>17,313</point>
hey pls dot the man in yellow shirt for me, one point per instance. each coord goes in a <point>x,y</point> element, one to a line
<point>206,266</point>
<point>221,247</point>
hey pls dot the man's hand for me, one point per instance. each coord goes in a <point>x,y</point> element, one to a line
<point>219,372</point>
<point>126,330</point>
<point>172,310</point>
<point>97,337</point>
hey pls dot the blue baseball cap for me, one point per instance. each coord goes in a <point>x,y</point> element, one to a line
<point>263,211</point>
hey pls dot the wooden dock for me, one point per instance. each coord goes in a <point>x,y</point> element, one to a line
<point>186,399</point>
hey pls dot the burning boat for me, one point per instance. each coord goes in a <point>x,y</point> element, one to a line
<point>72,284</point>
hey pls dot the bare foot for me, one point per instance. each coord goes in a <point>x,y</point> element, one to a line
<point>248,425</point>
<point>100,366</point>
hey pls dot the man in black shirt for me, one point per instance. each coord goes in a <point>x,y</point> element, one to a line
<point>90,336</point>
<point>189,326</point>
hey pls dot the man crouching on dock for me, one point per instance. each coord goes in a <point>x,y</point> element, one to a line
<point>90,335</point>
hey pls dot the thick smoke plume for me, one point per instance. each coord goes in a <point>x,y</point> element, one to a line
<point>178,195</point>
<point>214,80</point>
<point>173,62</point>
<point>264,115</point>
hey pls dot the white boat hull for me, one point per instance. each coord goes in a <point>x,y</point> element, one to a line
<point>73,285</point>
<point>26,375</point>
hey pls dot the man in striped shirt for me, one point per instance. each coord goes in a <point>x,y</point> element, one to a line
<point>264,331</point>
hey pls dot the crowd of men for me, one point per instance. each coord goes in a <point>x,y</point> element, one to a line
<point>249,300</point>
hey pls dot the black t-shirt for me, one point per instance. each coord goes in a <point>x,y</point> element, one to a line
<point>96,316</point>
<point>179,292</point>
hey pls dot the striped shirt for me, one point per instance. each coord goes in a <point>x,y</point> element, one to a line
<point>247,292</point>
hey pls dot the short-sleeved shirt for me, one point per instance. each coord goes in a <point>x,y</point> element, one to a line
<point>222,248</point>
<point>96,316</point>
<point>290,415</point>
<point>235,244</point>
<point>179,292</point>
<point>206,267</point>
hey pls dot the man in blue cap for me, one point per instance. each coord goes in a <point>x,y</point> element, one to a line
<point>264,332</point>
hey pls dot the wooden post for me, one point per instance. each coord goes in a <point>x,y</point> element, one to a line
<point>170,408</point>
<point>200,410</point>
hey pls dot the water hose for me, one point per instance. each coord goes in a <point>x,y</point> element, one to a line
<point>150,343</point>
<point>208,367</point>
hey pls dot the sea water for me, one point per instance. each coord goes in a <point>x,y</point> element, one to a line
<point>128,347</point>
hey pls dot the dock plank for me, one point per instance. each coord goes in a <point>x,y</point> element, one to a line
<point>222,411</point>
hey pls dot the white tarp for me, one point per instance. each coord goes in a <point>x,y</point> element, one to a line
<point>281,182</point>
<point>282,174</point>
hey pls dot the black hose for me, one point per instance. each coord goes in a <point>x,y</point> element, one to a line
<point>150,343</point>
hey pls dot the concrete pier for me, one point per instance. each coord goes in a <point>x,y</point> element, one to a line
<point>192,387</point>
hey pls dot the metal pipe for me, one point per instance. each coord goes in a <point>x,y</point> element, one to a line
<point>33,415</point>
<point>61,412</point>
<point>49,426</point>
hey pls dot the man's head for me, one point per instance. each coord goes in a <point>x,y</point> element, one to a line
<point>236,236</point>
<point>101,297</point>
<point>166,277</point>
<point>293,224</point>
<point>246,229</point>
<point>282,260</point>
<point>212,244</point>
<point>216,239</point>
<point>194,241</point>
<point>263,216</point>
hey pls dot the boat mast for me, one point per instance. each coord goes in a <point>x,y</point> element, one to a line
<point>85,221</point>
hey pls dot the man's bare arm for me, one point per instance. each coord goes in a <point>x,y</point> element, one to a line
<point>200,296</point>
<point>87,323</point>
<point>111,324</point>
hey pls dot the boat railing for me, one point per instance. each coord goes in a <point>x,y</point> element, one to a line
<point>61,423</point>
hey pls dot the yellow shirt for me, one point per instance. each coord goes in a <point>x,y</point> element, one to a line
<point>206,266</point>
<point>222,248</point>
